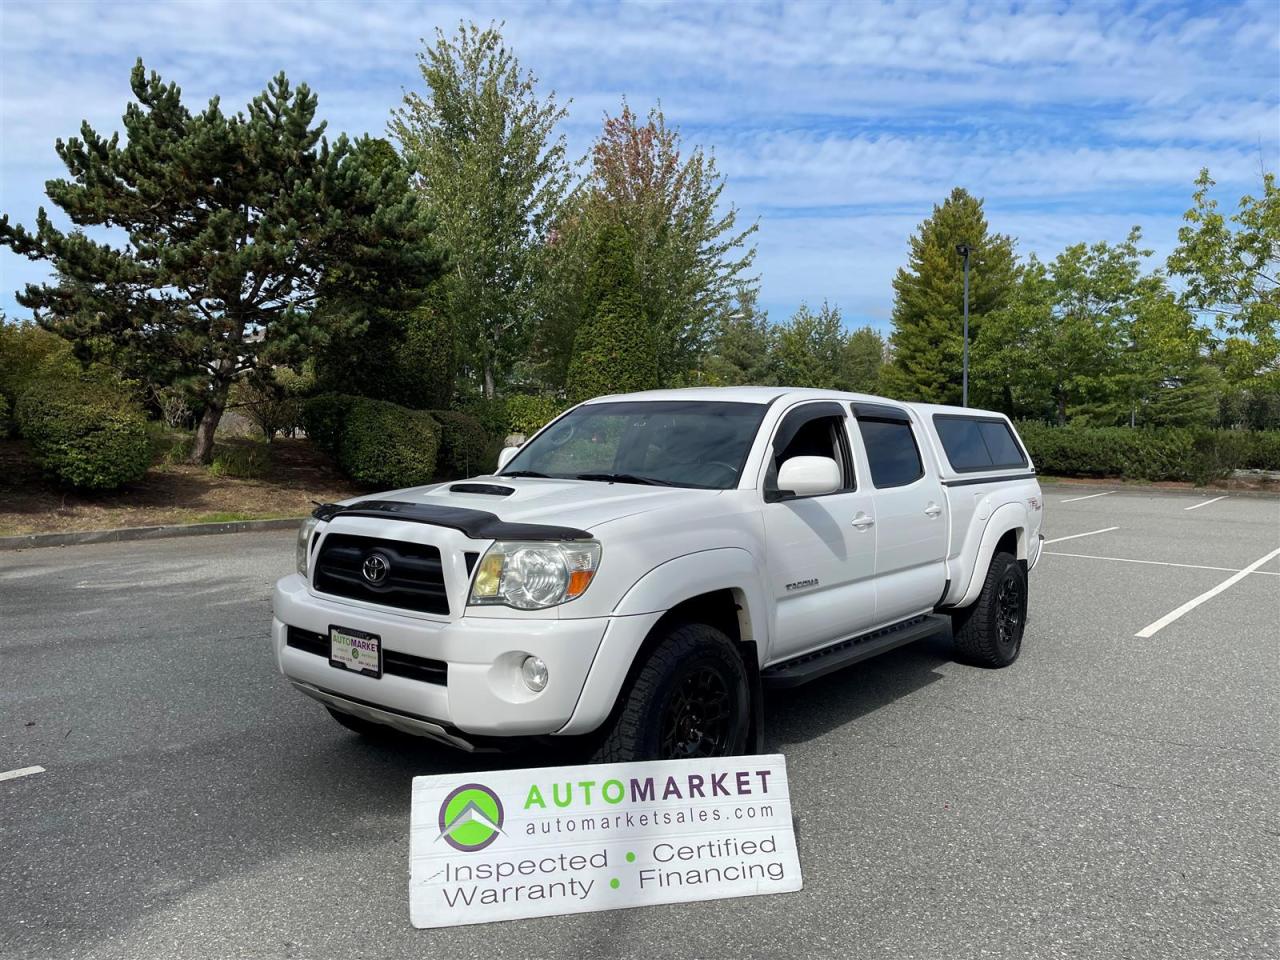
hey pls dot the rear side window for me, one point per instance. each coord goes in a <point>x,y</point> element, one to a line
<point>976,443</point>
<point>892,453</point>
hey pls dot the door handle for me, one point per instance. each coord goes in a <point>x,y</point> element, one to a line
<point>932,510</point>
<point>862,521</point>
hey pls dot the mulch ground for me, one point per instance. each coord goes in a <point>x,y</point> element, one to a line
<point>297,476</point>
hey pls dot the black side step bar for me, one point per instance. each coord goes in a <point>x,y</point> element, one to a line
<point>810,666</point>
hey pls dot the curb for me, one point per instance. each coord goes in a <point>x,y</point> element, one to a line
<point>31,540</point>
<point>1061,486</point>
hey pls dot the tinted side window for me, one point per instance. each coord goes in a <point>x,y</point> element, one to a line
<point>972,443</point>
<point>1000,444</point>
<point>963,444</point>
<point>892,454</point>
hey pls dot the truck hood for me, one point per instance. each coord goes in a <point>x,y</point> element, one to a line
<point>573,503</point>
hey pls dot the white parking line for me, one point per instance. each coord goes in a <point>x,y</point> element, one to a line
<point>1077,536</point>
<point>1158,563</point>
<point>1151,629</point>
<point>21,772</point>
<point>1203,503</point>
<point>1089,497</point>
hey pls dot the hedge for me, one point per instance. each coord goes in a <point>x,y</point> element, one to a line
<point>323,417</point>
<point>516,413</point>
<point>1170,453</point>
<point>466,447</point>
<point>88,435</point>
<point>6,421</point>
<point>385,445</point>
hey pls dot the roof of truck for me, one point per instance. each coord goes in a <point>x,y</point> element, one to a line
<point>766,395</point>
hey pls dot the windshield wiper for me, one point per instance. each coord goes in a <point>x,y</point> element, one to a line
<point>524,473</point>
<point>627,478</point>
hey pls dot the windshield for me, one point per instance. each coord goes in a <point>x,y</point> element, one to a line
<point>680,443</point>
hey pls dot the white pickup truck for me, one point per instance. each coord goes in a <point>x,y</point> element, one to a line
<point>641,568</point>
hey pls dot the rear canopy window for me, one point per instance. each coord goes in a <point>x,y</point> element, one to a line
<point>973,443</point>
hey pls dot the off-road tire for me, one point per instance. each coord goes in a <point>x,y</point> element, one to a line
<point>981,637</point>
<point>366,728</point>
<point>635,732</point>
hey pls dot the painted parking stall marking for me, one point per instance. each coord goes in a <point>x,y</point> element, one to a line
<point>1203,503</point>
<point>21,772</point>
<point>558,840</point>
<point>1152,629</point>
<point>1089,497</point>
<point>1077,536</point>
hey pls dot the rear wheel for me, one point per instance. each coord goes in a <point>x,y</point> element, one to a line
<point>989,633</point>
<point>690,699</point>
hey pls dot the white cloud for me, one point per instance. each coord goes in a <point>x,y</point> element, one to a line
<point>839,124</point>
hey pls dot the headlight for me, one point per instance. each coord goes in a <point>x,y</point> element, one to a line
<point>304,543</point>
<point>532,575</point>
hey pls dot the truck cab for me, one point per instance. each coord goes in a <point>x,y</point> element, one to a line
<point>640,570</point>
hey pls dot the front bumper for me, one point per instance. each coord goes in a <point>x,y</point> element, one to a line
<point>484,695</point>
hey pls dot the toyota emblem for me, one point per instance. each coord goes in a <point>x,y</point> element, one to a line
<point>375,568</point>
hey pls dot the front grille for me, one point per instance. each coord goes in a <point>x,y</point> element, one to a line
<point>401,664</point>
<point>414,577</point>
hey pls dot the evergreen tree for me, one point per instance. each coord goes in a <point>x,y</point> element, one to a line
<point>863,361</point>
<point>614,351</point>
<point>928,310</point>
<point>493,170</point>
<point>742,347</point>
<point>235,226</point>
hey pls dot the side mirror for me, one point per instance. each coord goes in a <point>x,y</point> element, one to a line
<point>808,477</point>
<point>505,456</point>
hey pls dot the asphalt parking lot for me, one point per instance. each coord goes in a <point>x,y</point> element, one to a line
<point>1113,794</point>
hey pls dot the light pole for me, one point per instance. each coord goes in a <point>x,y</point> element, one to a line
<point>963,250</point>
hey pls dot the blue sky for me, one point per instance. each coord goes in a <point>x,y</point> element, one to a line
<point>838,125</point>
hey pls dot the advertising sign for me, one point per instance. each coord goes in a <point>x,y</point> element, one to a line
<point>555,840</point>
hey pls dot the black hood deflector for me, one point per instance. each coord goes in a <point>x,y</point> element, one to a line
<point>476,524</point>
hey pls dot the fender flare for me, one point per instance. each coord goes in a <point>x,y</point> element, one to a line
<point>663,587</point>
<point>1008,516</point>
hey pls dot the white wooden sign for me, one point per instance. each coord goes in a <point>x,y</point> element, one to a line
<point>555,840</point>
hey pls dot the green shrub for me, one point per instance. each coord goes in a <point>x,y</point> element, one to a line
<point>528,414</point>
<point>29,353</point>
<point>1263,451</point>
<point>88,435</point>
<point>242,462</point>
<point>323,418</point>
<point>466,448</point>
<point>384,445</point>
<point>525,413</point>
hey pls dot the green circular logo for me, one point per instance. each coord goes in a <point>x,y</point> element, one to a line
<point>470,818</point>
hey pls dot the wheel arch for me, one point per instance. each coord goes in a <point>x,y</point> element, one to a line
<point>721,588</point>
<point>1006,529</point>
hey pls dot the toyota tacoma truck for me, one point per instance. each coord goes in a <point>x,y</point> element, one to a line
<point>641,569</point>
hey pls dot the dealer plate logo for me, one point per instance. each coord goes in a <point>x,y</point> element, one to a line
<point>470,818</point>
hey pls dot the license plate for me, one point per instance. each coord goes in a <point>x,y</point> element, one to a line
<point>355,650</point>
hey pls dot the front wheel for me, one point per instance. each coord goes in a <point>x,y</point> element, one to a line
<point>989,633</point>
<point>690,699</point>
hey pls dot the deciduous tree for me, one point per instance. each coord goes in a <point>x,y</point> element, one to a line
<point>493,169</point>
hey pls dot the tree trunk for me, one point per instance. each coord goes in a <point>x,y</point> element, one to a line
<point>202,447</point>
<point>488,380</point>
<point>1062,408</point>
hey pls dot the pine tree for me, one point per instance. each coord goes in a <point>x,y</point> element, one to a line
<point>614,351</point>
<point>928,310</point>
<point>236,225</point>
